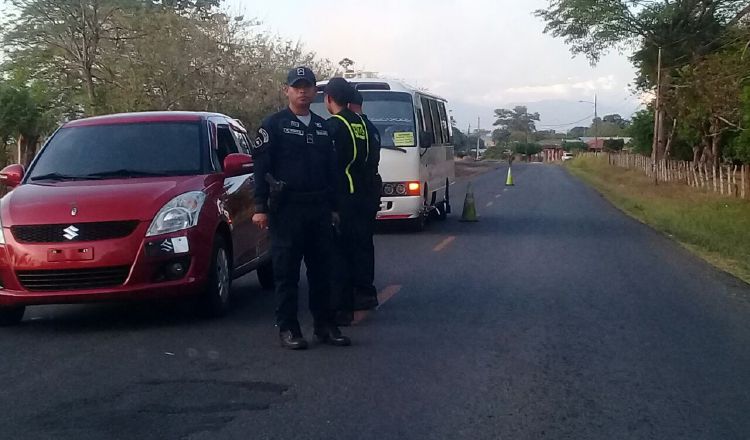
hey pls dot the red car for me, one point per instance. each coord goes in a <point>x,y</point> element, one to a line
<point>132,206</point>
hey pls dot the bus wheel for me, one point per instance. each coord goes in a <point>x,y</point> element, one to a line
<point>418,224</point>
<point>441,211</point>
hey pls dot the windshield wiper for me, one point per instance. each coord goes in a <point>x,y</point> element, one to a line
<point>55,176</point>
<point>394,148</point>
<point>123,173</point>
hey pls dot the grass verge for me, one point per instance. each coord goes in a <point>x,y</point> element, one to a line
<point>714,227</point>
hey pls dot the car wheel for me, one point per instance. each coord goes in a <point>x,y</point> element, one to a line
<point>11,315</point>
<point>265,276</point>
<point>216,297</point>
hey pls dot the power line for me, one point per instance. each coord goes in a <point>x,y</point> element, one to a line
<point>569,123</point>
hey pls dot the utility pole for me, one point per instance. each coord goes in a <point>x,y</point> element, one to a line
<point>657,122</point>
<point>596,123</point>
<point>478,138</point>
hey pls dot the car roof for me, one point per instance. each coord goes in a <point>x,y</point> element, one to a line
<point>144,117</point>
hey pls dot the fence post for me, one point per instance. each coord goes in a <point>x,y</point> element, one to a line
<point>742,176</point>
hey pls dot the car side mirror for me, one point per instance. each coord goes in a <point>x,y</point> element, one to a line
<point>12,175</point>
<point>425,139</point>
<point>237,164</point>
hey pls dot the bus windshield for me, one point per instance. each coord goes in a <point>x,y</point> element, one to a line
<point>391,112</point>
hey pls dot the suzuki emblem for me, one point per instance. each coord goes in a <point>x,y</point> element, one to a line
<point>70,232</point>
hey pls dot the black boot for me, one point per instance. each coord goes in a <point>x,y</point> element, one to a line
<point>330,334</point>
<point>344,318</point>
<point>293,340</point>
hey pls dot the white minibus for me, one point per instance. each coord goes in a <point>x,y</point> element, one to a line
<point>416,159</point>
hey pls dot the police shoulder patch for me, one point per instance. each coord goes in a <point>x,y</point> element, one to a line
<point>264,134</point>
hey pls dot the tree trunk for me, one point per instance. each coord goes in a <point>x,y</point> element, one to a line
<point>27,149</point>
<point>715,142</point>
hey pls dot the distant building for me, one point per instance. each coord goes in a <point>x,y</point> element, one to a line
<point>552,151</point>
<point>598,145</point>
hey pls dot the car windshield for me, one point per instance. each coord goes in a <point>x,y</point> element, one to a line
<point>391,112</point>
<point>121,150</point>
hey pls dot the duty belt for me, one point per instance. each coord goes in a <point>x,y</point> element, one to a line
<point>306,197</point>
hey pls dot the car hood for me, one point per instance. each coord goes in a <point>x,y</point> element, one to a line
<point>94,200</point>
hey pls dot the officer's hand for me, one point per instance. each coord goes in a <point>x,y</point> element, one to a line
<point>260,220</point>
<point>335,219</point>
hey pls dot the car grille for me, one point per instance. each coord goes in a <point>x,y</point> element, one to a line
<point>75,279</point>
<point>80,232</point>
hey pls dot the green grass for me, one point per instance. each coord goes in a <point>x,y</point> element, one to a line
<point>714,227</point>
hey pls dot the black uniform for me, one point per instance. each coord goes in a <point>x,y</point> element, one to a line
<point>300,221</point>
<point>366,298</point>
<point>354,268</point>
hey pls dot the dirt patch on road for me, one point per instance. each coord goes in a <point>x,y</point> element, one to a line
<point>466,168</point>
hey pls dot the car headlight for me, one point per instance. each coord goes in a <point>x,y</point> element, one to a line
<point>180,213</point>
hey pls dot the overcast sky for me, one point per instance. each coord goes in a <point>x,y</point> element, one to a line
<point>479,54</point>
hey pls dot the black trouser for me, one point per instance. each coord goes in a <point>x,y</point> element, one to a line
<point>302,230</point>
<point>355,255</point>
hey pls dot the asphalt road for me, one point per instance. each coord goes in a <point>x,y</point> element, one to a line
<point>553,317</point>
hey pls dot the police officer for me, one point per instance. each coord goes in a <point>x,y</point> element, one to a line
<point>365,297</point>
<point>295,176</point>
<point>352,143</point>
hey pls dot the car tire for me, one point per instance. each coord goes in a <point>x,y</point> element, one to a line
<point>11,315</point>
<point>265,276</point>
<point>215,301</point>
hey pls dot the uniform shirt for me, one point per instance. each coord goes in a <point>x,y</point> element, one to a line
<point>300,155</point>
<point>352,151</point>
<point>374,156</point>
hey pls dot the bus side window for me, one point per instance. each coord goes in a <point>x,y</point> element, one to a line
<point>436,123</point>
<point>444,123</point>
<point>428,125</point>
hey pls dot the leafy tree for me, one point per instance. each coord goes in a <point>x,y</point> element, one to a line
<point>517,119</point>
<point>684,29</point>
<point>614,144</point>
<point>22,118</point>
<point>105,56</point>
<point>739,149</point>
<point>642,131</point>
<point>501,136</point>
<point>460,140</point>
<point>616,119</point>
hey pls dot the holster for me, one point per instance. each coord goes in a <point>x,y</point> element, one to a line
<point>277,190</point>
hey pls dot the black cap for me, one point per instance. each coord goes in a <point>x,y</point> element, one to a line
<point>340,90</point>
<point>357,98</point>
<point>300,74</point>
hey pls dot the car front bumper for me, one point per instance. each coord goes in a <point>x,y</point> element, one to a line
<point>130,268</point>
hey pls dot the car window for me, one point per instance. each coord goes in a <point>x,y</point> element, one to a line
<point>162,148</point>
<point>226,143</point>
<point>242,142</point>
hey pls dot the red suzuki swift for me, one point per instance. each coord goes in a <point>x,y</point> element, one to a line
<point>131,206</point>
